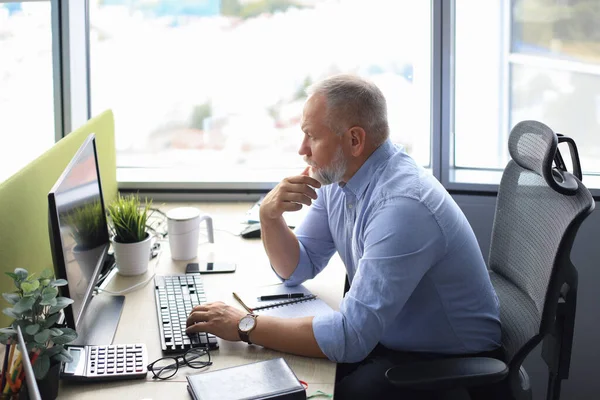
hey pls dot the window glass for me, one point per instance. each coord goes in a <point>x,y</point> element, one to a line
<point>26,84</point>
<point>218,86</point>
<point>530,59</point>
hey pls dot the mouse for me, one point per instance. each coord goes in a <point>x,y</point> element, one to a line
<point>251,231</point>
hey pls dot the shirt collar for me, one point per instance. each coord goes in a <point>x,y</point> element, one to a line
<point>360,180</point>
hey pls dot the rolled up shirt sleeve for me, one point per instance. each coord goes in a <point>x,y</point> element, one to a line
<point>316,243</point>
<point>402,240</point>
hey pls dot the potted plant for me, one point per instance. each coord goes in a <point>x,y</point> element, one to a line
<point>131,240</point>
<point>87,227</point>
<point>35,307</point>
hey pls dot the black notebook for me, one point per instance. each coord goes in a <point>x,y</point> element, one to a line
<point>270,379</point>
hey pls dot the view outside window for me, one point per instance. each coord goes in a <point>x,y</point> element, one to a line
<point>26,84</point>
<point>218,85</point>
<point>526,59</point>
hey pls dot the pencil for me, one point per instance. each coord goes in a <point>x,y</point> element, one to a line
<point>16,369</point>
<point>9,368</point>
<point>242,303</point>
<point>5,366</point>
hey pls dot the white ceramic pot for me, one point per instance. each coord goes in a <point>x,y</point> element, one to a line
<point>132,258</point>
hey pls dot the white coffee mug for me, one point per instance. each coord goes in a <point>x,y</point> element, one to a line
<point>183,225</point>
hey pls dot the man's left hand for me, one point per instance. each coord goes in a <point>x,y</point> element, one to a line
<point>217,318</point>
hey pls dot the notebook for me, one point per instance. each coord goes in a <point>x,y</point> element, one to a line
<point>270,379</point>
<point>307,306</point>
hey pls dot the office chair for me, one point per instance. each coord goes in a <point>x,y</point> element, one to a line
<point>539,209</point>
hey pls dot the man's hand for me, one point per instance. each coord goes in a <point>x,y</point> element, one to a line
<point>217,318</point>
<point>289,195</point>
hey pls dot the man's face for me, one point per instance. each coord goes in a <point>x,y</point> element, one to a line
<point>321,147</point>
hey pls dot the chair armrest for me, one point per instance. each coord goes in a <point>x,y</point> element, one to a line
<point>448,373</point>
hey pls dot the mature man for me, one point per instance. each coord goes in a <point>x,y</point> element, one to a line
<point>419,287</point>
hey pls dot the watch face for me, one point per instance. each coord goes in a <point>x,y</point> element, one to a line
<point>246,323</point>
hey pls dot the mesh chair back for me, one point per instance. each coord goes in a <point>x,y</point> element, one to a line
<point>530,223</point>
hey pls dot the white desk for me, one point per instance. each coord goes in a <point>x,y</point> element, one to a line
<point>139,319</point>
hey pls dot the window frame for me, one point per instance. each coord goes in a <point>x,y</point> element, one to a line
<point>74,109</point>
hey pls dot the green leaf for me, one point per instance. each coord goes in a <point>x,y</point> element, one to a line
<point>68,336</point>
<point>12,298</point>
<point>51,302</point>
<point>63,356</point>
<point>51,320</point>
<point>46,273</point>
<point>45,282</point>
<point>49,292</point>
<point>61,302</point>
<point>53,350</point>
<point>55,332</point>
<point>24,304</point>
<point>43,336</point>
<point>32,329</point>
<point>32,346</point>
<point>11,313</point>
<point>8,331</point>
<point>41,366</point>
<point>14,276</point>
<point>4,338</point>
<point>21,273</point>
<point>58,282</point>
<point>30,286</point>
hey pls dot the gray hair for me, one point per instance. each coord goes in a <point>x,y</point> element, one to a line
<point>353,101</point>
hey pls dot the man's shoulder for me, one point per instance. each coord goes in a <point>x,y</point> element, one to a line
<point>400,177</point>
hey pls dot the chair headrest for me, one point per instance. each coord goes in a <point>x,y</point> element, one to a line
<point>533,145</point>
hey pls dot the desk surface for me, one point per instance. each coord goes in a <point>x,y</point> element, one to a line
<point>139,320</point>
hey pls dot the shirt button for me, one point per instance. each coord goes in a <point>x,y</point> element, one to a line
<point>349,205</point>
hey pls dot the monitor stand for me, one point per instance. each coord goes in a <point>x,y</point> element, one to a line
<point>100,322</point>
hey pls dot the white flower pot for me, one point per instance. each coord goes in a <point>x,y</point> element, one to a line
<point>132,258</point>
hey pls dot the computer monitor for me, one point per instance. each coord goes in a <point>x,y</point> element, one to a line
<point>79,241</point>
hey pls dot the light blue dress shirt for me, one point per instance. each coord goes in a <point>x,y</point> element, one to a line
<point>418,279</point>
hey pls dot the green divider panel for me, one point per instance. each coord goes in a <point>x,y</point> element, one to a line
<point>24,237</point>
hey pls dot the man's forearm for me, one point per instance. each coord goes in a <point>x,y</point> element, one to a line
<point>281,246</point>
<point>293,335</point>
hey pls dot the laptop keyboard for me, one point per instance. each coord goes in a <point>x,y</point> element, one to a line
<point>176,295</point>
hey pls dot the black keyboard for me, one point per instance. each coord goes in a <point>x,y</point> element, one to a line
<point>176,295</point>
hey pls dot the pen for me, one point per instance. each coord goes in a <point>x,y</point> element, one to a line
<point>281,296</point>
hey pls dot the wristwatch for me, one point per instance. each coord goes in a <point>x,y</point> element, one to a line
<point>245,326</point>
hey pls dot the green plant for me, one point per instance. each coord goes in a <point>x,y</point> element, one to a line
<point>129,218</point>
<point>87,225</point>
<point>36,309</point>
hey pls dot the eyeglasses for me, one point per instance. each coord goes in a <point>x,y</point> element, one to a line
<point>167,367</point>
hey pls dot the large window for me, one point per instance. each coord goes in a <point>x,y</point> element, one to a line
<point>26,84</point>
<point>525,59</point>
<point>217,86</point>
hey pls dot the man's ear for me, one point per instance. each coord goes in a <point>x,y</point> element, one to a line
<point>357,137</point>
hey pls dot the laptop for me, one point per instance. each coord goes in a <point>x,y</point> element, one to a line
<point>32,388</point>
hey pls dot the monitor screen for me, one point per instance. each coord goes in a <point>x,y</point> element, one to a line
<point>78,229</point>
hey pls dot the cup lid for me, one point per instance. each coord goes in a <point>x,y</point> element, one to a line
<point>183,213</point>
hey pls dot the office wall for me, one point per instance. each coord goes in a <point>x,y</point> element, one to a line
<point>583,382</point>
<point>24,240</point>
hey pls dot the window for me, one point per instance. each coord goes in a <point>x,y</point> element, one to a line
<point>215,89</point>
<point>525,59</point>
<point>26,84</point>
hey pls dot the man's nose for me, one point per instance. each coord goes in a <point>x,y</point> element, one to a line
<point>304,149</point>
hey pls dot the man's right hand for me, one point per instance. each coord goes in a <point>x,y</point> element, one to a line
<point>289,195</point>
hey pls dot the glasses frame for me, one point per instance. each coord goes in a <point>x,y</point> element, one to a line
<point>180,361</point>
